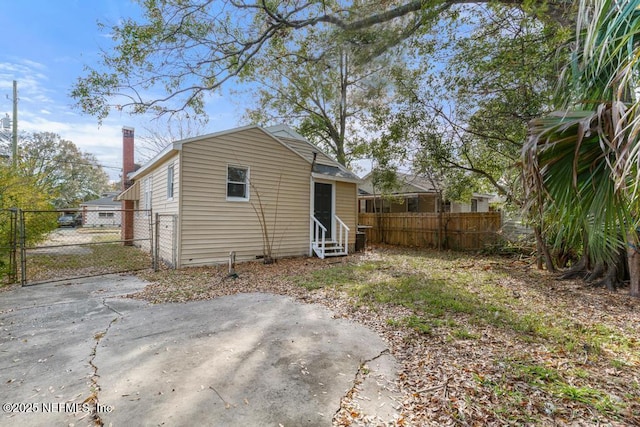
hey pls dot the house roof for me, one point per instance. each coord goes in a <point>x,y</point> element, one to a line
<point>408,183</point>
<point>322,164</point>
<point>107,199</point>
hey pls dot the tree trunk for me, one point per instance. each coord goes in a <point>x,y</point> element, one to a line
<point>614,274</point>
<point>440,220</point>
<point>579,270</point>
<point>596,273</point>
<point>543,252</point>
<point>633,258</point>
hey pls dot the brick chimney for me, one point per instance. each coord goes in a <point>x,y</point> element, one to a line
<point>128,166</point>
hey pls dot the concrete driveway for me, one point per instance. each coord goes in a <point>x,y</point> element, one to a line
<point>74,351</point>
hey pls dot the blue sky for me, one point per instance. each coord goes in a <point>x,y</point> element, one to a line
<point>45,46</point>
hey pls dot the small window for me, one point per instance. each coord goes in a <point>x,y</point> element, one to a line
<point>368,206</point>
<point>446,206</point>
<point>148,194</point>
<point>474,205</point>
<point>170,182</point>
<point>386,206</point>
<point>378,205</point>
<point>105,214</point>
<point>237,183</point>
<point>412,204</point>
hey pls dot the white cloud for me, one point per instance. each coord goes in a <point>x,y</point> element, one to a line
<point>44,107</point>
<point>104,142</point>
<point>32,84</point>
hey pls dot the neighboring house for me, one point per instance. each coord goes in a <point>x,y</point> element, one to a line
<point>219,187</point>
<point>414,194</point>
<point>102,212</point>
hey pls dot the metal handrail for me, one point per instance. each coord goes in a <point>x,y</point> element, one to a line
<point>344,243</point>
<point>319,245</point>
<point>319,240</point>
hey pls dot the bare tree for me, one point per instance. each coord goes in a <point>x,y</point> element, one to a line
<point>154,140</point>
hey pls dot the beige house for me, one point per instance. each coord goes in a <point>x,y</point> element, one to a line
<point>414,194</point>
<point>244,190</point>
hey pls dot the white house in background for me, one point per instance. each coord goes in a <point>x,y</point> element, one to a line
<point>102,212</point>
<point>414,194</point>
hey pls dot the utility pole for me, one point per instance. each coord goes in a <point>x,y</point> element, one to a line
<point>14,136</point>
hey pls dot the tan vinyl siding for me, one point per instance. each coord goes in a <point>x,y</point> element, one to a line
<point>347,207</point>
<point>158,176</point>
<point>212,226</point>
<point>160,203</point>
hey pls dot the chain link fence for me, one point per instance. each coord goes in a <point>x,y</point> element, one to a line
<point>8,245</point>
<point>45,246</point>
<point>166,239</point>
<point>66,244</point>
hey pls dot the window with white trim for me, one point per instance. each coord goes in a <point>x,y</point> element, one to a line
<point>237,183</point>
<point>148,193</point>
<point>170,182</point>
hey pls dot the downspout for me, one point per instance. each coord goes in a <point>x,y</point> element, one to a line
<point>311,204</point>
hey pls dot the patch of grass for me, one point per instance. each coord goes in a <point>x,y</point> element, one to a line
<point>579,394</point>
<point>580,373</point>
<point>442,285</point>
<point>536,374</point>
<point>96,259</point>
<point>106,237</point>
<point>4,268</point>
<point>550,380</point>
<point>334,277</point>
<point>446,290</point>
<point>463,334</point>
<point>418,324</point>
<point>429,295</point>
<point>618,364</point>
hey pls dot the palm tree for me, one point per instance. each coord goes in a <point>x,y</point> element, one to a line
<point>581,163</point>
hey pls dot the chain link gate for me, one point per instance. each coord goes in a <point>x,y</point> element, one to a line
<point>68,244</point>
<point>8,246</point>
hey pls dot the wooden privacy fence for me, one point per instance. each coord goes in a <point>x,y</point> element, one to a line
<point>459,231</point>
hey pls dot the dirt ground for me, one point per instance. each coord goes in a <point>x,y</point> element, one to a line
<point>583,370</point>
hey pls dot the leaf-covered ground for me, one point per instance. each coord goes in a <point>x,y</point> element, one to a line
<point>481,340</point>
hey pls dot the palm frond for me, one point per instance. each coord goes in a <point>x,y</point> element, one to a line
<point>570,154</point>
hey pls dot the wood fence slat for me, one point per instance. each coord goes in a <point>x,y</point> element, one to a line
<point>462,231</point>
